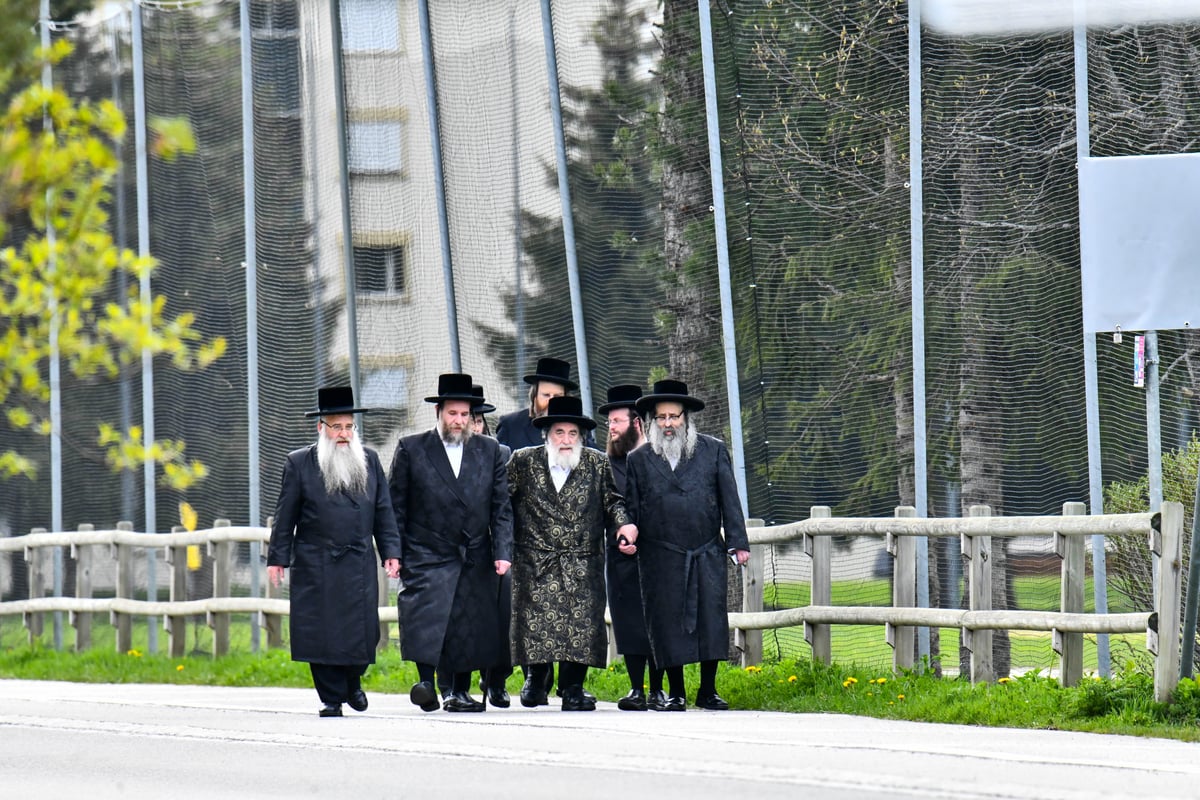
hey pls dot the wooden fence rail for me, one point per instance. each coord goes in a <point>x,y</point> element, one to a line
<point>1068,625</point>
<point>1164,531</point>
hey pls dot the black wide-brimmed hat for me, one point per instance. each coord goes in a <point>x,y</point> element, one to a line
<point>669,391</point>
<point>335,400</point>
<point>478,404</point>
<point>453,386</point>
<point>565,409</point>
<point>553,370</point>
<point>624,396</point>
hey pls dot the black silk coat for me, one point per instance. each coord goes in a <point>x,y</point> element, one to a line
<point>624,586</point>
<point>681,555</point>
<point>326,540</point>
<point>454,529</point>
<point>558,557</point>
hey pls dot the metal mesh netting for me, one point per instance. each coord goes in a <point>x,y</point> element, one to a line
<point>813,104</point>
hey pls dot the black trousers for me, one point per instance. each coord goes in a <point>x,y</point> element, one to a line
<point>336,682</point>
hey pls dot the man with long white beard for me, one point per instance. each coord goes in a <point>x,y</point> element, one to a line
<point>624,587</point>
<point>681,493</point>
<point>450,494</point>
<point>333,503</point>
<point>563,500</point>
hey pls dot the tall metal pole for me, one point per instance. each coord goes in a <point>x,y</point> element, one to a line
<point>1090,370</point>
<point>439,182</point>
<point>339,96</point>
<point>729,342</point>
<point>1192,607</point>
<point>117,24</point>
<point>56,493</point>
<point>916,259</point>
<point>143,215</point>
<point>519,294</point>
<point>568,221</point>
<point>249,202</point>
<point>1153,423</point>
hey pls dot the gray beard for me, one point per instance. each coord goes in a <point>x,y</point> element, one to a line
<point>674,448</point>
<point>342,468</point>
<point>568,461</point>
<point>453,438</point>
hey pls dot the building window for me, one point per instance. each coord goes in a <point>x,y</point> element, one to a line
<point>376,147</point>
<point>385,388</point>
<point>370,26</point>
<point>379,270</point>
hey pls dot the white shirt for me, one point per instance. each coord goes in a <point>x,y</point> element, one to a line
<point>454,452</point>
<point>559,475</point>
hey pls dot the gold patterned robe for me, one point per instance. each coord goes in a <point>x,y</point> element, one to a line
<point>558,557</point>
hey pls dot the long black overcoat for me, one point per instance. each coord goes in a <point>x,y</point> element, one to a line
<point>326,540</point>
<point>681,555</point>
<point>624,586</point>
<point>558,557</point>
<point>454,529</point>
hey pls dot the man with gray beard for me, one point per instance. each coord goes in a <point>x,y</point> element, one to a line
<point>450,494</point>
<point>563,500</point>
<point>681,493</point>
<point>333,512</point>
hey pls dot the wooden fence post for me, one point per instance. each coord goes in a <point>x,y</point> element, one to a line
<point>273,623</point>
<point>36,570</point>
<point>978,550</point>
<point>176,556</point>
<point>1071,549</point>
<point>1169,554</point>
<point>819,550</point>
<point>123,622</point>
<point>82,620</point>
<point>222,555</point>
<point>902,638</point>
<point>749,643</point>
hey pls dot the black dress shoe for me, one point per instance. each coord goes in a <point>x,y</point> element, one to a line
<point>657,700</point>
<point>712,702</point>
<point>358,701</point>
<point>574,700</point>
<point>423,695</point>
<point>634,701</point>
<point>461,701</point>
<point>675,704</point>
<point>533,696</point>
<point>497,697</point>
<point>331,710</point>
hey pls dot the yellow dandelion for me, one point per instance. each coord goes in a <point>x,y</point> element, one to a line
<point>899,697</point>
<point>134,653</point>
<point>1005,680</point>
<point>881,681</point>
<point>179,667</point>
<point>870,694</point>
<point>791,678</point>
<point>891,703</point>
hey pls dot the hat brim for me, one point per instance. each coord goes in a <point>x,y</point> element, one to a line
<point>537,378</point>
<point>647,402</point>
<point>587,423</point>
<point>441,398</point>
<point>321,412</point>
<point>607,407</point>
<point>483,408</point>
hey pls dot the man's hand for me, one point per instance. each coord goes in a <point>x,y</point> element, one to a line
<point>502,567</point>
<point>627,538</point>
<point>392,567</point>
<point>742,557</point>
<point>275,574</point>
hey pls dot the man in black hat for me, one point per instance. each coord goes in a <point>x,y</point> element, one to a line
<point>550,379</point>
<point>681,492</point>
<point>450,494</point>
<point>564,500</point>
<point>333,502</point>
<point>624,589</point>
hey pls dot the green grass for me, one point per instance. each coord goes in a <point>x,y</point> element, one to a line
<point>1123,705</point>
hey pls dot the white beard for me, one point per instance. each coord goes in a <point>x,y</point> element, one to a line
<point>567,461</point>
<point>674,448</point>
<point>342,467</point>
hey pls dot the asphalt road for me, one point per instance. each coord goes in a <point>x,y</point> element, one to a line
<point>108,741</point>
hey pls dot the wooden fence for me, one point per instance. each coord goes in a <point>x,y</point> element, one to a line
<point>1068,625</point>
